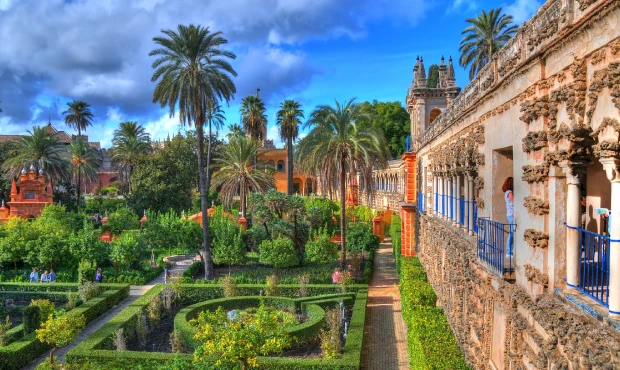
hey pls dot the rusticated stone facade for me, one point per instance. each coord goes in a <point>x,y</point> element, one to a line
<point>545,112</point>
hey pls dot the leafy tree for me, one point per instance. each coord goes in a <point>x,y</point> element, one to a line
<point>232,342</point>
<point>486,34</point>
<point>279,252</point>
<point>84,163</point>
<point>54,227</point>
<point>339,145</point>
<point>361,238</point>
<point>228,245</point>
<point>78,115</point>
<point>319,213</point>
<point>14,246</point>
<point>433,76</point>
<point>321,249</point>
<point>120,220</point>
<point>192,72</point>
<point>7,150</point>
<point>41,151</point>
<point>128,249</point>
<point>253,117</point>
<point>60,329</point>
<point>289,118</point>
<point>235,175</point>
<point>392,119</point>
<point>130,143</point>
<point>234,131</point>
<point>85,244</point>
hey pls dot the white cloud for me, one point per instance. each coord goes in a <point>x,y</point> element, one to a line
<point>463,6</point>
<point>522,10</point>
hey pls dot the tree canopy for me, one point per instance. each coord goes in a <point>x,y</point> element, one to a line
<point>393,120</point>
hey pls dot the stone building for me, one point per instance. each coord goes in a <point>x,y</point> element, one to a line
<point>545,111</point>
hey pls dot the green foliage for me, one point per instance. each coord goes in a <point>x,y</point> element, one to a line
<point>272,282</point>
<point>360,213</point>
<point>61,329</point>
<point>105,204</point>
<point>127,250</point>
<point>121,220</point>
<point>32,319</point>
<point>393,120</point>
<point>433,76</point>
<point>360,237</point>
<point>330,336</point>
<point>321,249</point>
<point>85,243</point>
<point>227,239</point>
<point>88,290</point>
<point>46,308</point>
<point>431,343</point>
<point>169,231</point>
<point>86,271</point>
<point>279,252</point>
<point>3,332</point>
<point>395,229</point>
<point>319,213</point>
<point>229,286</point>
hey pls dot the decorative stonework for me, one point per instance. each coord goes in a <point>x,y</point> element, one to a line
<point>509,64</point>
<point>479,183</point>
<point>536,239</point>
<point>546,31</point>
<point>532,109</point>
<point>607,122</point>
<point>535,275</point>
<point>535,173</point>
<point>608,77</point>
<point>480,202</point>
<point>534,140</point>
<point>584,4</point>
<point>478,135</point>
<point>606,149</point>
<point>536,205</point>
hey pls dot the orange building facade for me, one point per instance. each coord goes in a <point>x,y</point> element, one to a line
<point>29,197</point>
<point>276,160</point>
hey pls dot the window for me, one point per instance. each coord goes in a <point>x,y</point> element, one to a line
<point>280,166</point>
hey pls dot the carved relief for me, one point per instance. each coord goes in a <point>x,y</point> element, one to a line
<point>547,30</point>
<point>534,140</point>
<point>532,109</point>
<point>535,239</point>
<point>479,183</point>
<point>535,275</point>
<point>478,134</point>
<point>604,78</point>
<point>509,64</point>
<point>598,56</point>
<point>584,4</point>
<point>606,149</point>
<point>536,205</point>
<point>535,173</point>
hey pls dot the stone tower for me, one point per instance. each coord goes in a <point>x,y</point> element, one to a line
<point>426,104</point>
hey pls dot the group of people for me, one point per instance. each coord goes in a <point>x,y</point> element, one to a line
<point>46,277</point>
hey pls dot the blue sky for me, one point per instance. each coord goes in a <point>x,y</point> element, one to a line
<point>315,51</point>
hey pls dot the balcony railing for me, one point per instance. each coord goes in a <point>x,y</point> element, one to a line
<point>446,205</point>
<point>496,246</point>
<point>422,202</point>
<point>594,265</point>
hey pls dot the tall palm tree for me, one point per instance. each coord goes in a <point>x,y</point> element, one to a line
<point>84,163</point>
<point>130,142</point>
<point>215,117</point>
<point>487,33</point>
<point>42,151</point>
<point>234,131</point>
<point>237,174</point>
<point>78,115</point>
<point>289,118</point>
<point>192,71</point>
<point>253,117</point>
<point>338,145</point>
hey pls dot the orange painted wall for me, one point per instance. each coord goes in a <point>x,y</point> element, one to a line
<point>408,210</point>
<point>272,157</point>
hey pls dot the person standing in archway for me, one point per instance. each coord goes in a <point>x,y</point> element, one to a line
<point>507,188</point>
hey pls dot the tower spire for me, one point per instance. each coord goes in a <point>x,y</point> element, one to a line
<point>450,78</point>
<point>419,78</point>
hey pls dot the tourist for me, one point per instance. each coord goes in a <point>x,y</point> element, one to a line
<point>34,275</point>
<point>166,275</point>
<point>507,189</point>
<point>99,275</point>
<point>337,276</point>
<point>44,277</point>
<point>52,276</point>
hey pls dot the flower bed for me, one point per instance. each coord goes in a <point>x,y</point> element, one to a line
<point>22,349</point>
<point>97,350</point>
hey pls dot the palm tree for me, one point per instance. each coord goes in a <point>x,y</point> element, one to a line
<point>253,117</point>
<point>234,131</point>
<point>215,117</point>
<point>78,115</point>
<point>42,151</point>
<point>192,71</point>
<point>130,142</point>
<point>340,144</point>
<point>236,174</point>
<point>487,34</point>
<point>289,117</point>
<point>84,163</point>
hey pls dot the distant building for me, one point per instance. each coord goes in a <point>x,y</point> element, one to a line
<point>276,161</point>
<point>28,196</point>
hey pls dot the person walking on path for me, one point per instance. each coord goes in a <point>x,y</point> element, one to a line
<point>34,275</point>
<point>44,277</point>
<point>52,276</point>
<point>99,275</point>
<point>166,275</point>
<point>507,189</point>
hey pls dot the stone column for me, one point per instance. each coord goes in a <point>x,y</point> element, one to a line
<point>434,199</point>
<point>453,177</point>
<point>440,183</point>
<point>612,169</point>
<point>574,175</point>
<point>457,208</point>
<point>470,196</point>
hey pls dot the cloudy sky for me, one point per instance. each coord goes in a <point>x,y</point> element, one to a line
<point>315,51</point>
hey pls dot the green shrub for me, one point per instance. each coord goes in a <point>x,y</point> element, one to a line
<point>4,328</point>
<point>229,286</point>
<point>45,307</point>
<point>32,319</point>
<point>88,291</point>
<point>360,237</point>
<point>86,271</point>
<point>279,252</point>
<point>321,249</point>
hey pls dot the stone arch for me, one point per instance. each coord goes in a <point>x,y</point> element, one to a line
<point>435,112</point>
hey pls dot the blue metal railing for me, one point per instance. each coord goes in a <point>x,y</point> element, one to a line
<point>493,239</point>
<point>445,205</point>
<point>421,202</point>
<point>594,265</point>
<point>436,204</point>
<point>463,212</point>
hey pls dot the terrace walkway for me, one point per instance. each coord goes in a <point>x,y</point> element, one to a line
<point>385,334</point>
<point>134,293</point>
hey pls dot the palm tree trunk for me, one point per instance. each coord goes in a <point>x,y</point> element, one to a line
<point>202,181</point>
<point>343,245</point>
<point>209,159</point>
<point>289,153</point>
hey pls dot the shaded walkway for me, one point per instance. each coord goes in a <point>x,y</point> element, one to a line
<point>135,292</point>
<point>385,333</point>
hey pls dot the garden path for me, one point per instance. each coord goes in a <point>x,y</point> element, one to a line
<point>385,333</point>
<point>134,293</point>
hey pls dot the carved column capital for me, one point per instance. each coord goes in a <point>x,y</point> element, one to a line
<point>575,171</point>
<point>611,165</point>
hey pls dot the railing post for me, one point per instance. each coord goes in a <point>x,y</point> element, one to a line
<point>574,175</point>
<point>611,166</point>
<point>457,216</point>
<point>470,205</point>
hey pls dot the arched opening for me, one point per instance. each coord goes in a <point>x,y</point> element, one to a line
<point>434,114</point>
<point>297,186</point>
<point>280,167</point>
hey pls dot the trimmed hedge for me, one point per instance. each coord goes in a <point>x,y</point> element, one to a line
<point>97,350</point>
<point>25,349</point>
<point>430,341</point>
<point>51,287</point>
<point>395,230</point>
